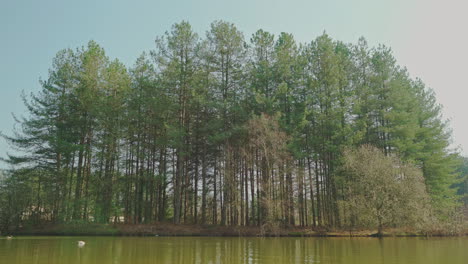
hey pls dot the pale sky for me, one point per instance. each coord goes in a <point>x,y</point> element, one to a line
<point>429,37</point>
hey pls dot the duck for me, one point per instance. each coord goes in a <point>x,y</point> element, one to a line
<point>9,237</point>
<point>81,243</point>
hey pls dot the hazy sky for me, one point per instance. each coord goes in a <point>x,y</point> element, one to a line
<point>429,37</point>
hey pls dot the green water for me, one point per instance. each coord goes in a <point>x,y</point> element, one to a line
<point>127,250</point>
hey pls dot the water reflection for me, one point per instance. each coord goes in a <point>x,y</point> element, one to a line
<point>181,250</point>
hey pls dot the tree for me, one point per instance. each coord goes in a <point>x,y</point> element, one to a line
<point>382,191</point>
<point>267,146</point>
<point>226,59</point>
<point>176,56</point>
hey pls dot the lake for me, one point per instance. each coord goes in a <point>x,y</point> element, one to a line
<point>175,250</point>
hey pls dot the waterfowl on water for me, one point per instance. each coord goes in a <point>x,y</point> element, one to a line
<point>81,243</point>
<point>9,237</point>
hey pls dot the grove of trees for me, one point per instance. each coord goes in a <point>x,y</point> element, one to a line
<point>226,130</point>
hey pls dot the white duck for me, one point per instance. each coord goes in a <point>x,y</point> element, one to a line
<point>81,243</point>
<point>9,237</point>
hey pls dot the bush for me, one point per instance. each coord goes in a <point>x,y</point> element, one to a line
<point>381,191</point>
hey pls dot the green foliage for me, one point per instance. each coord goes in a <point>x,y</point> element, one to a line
<point>462,181</point>
<point>215,130</point>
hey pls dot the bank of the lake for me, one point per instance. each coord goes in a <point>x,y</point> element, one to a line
<point>169,229</point>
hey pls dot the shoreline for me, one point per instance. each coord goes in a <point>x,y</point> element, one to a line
<point>168,229</point>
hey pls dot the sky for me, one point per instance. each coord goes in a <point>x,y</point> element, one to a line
<point>428,37</point>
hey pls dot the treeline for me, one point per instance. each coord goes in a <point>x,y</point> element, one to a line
<point>222,130</point>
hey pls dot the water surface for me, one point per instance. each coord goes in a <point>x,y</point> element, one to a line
<point>175,250</point>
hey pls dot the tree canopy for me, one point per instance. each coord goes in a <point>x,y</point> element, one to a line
<point>223,130</point>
